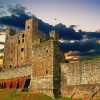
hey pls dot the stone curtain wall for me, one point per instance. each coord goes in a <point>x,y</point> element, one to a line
<point>16,72</point>
<point>80,78</point>
<point>84,72</point>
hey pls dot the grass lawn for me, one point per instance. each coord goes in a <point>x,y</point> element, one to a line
<point>13,94</point>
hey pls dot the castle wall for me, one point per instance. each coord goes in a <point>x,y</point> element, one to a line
<point>76,76</point>
<point>16,77</point>
<point>16,72</point>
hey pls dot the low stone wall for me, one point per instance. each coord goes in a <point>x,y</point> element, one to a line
<point>16,72</point>
<point>82,76</point>
<point>84,92</point>
<point>43,84</point>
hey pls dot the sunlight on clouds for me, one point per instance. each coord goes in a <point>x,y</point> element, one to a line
<point>1,46</point>
<point>1,61</point>
<point>2,37</point>
<point>1,54</point>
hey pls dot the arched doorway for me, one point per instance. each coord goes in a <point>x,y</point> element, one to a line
<point>26,85</point>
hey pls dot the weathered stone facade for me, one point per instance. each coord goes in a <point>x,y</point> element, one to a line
<point>81,79</point>
<point>45,68</point>
<point>32,57</point>
<point>33,48</point>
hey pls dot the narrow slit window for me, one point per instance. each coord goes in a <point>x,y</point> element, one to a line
<point>10,66</point>
<point>28,27</point>
<point>46,71</point>
<point>23,35</point>
<point>22,40</point>
<point>22,49</point>
<point>19,41</point>
<point>47,51</point>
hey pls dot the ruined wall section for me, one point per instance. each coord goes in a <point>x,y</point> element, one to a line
<point>16,72</point>
<point>78,75</point>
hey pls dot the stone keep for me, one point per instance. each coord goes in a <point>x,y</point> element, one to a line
<point>33,48</point>
<point>31,55</point>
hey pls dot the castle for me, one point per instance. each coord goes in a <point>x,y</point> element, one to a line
<point>34,62</point>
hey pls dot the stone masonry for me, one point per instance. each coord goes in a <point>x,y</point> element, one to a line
<point>33,57</point>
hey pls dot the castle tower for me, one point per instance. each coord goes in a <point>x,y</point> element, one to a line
<point>33,36</point>
<point>31,29</point>
<point>10,51</point>
<point>46,68</point>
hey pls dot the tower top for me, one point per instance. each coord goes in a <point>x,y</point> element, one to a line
<point>54,34</point>
<point>32,24</point>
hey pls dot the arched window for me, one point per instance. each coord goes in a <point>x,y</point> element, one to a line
<point>22,49</point>
<point>19,41</point>
<point>28,27</point>
<point>23,35</point>
<point>22,40</point>
<point>46,71</point>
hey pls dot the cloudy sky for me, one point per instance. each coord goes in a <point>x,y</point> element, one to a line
<point>71,14</point>
<point>85,13</point>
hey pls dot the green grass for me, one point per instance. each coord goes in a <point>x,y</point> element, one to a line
<point>13,94</point>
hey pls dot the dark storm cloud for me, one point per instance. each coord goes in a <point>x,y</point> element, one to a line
<point>17,17</point>
<point>87,40</point>
<point>77,46</point>
<point>84,47</point>
<point>93,35</point>
<point>68,33</point>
